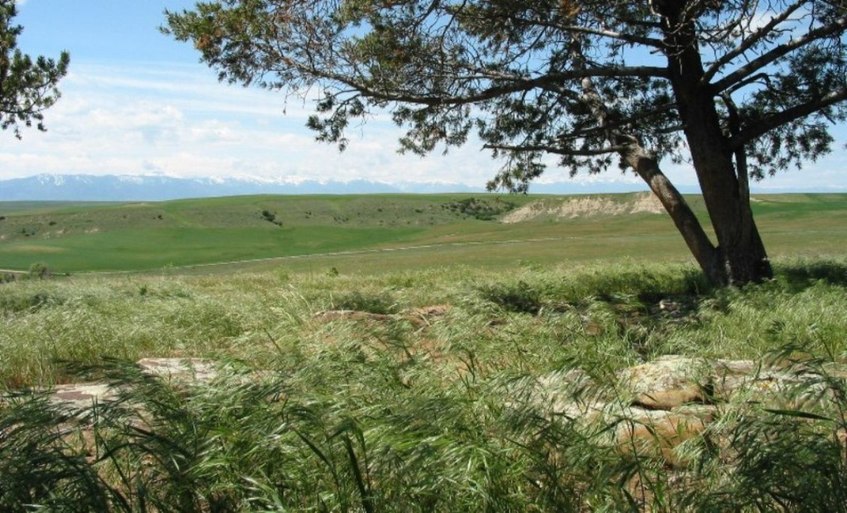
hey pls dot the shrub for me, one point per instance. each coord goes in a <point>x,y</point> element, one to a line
<point>519,297</point>
<point>365,302</point>
<point>481,209</point>
<point>270,217</point>
<point>22,302</point>
<point>39,270</point>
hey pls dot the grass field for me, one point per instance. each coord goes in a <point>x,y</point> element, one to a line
<point>374,233</point>
<point>416,371</point>
<point>180,233</point>
<point>383,411</point>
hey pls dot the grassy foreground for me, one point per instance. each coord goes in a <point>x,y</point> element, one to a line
<point>404,411</point>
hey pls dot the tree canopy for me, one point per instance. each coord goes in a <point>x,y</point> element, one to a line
<point>27,86</point>
<point>739,88</point>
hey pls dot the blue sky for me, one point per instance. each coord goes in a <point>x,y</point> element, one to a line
<point>137,102</point>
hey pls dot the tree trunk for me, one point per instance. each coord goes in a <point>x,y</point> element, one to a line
<point>740,250</point>
<point>646,166</point>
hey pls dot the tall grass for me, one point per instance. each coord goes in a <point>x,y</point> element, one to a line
<point>404,412</point>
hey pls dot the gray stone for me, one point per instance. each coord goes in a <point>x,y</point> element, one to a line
<point>79,396</point>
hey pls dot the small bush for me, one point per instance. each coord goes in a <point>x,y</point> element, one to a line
<point>484,210</point>
<point>519,297</point>
<point>270,217</point>
<point>39,270</point>
<point>372,303</point>
<point>12,303</point>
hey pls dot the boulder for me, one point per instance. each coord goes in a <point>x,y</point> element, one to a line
<point>666,383</point>
<point>194,369</point>
<point>657,433</point>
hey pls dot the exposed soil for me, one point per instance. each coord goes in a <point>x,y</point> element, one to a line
<point>588,206</point>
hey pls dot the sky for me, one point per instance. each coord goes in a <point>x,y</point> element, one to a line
<point>137,102</point>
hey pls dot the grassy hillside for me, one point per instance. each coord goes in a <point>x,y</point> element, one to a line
<point>380,233</point>
<point>178,233</point>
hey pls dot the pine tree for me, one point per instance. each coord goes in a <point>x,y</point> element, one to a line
<point>738,88</point>
<point>27,87</point>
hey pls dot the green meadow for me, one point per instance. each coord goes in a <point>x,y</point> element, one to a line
<point>376,233</point>
<point>407,353</point>
<point>139,236</point>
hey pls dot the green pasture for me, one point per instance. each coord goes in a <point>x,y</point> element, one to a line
<point>375,233</point>
<point>134,249</point>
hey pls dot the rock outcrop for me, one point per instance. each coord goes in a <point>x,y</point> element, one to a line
<point>656,406</point>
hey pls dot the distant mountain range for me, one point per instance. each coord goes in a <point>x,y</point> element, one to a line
<point>160,188</point>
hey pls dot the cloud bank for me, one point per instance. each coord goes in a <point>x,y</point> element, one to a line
<point>177,120</point>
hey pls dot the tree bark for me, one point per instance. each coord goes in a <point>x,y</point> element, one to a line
<point>647,167</point>
<point>740,250</point>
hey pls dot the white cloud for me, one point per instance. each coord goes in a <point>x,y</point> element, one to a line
<point>184,123</point>
<point>180,121</point>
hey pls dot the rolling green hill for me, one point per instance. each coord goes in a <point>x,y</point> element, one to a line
<point>378,232</point>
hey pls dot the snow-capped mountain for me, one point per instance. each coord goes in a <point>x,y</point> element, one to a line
<point>159,188</point>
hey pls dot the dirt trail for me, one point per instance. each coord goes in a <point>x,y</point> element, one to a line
<point>331,254</point>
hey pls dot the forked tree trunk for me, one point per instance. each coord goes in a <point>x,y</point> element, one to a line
<point>743,263</point>
<point>740,256</point>
<point>740,249</point>
<point>707,256</point>
<point>740,253</point>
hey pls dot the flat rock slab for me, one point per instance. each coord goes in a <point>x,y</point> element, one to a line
<point>657,433</point>
<point>671,381</point>
<point>196,369</point>
<point>79,396</point>
<point>656,406</point>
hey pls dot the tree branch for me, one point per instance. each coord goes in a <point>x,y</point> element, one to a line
<point>750,41</point>
<point>626,38</point>
<point>764,77</point>
<point>767,124</point>
<point>779,51</point>
<point>496,90</point>
<point>555,149</point>
<point>618,123</point>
